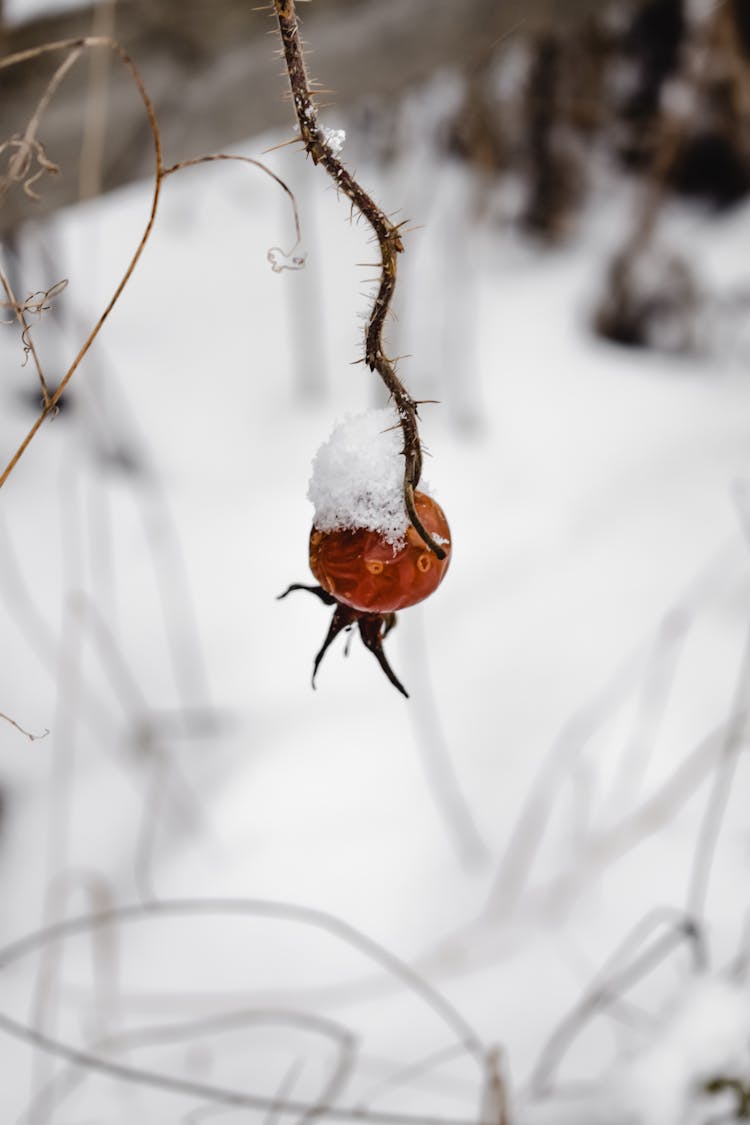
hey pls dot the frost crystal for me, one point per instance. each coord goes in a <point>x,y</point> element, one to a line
<point>335,138</point>
<point>358,477</point>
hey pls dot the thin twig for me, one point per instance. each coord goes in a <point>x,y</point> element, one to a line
<point>657,810</point>
<point>406,1074</point>
<point>207,1092</point>
<point>652,703</point>
<point>90,168</point>
<point>213,156</point>
<point>75,47</point>
<point>36,303</point>
<point>61,1086</point>
<point>104,956</point>
<point>286,1086</point>
<point>494,1105</point>
<point>388,235</point>
<point>440,772</point>
<point>671,137</point>
<point>119,429</point>
<point>28,147</point>
<point>62,780</point>
<point>90,923</point>
<point>283,911</point>
<point>615,979</point>
<point>721,789</point>
<point>525,843</point>
<point>31,737</point>
<point>71,45</point>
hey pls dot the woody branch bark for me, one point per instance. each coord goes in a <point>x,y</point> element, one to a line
<point>389,240</point>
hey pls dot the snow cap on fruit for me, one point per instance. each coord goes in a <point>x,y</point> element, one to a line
<point>358,477</point>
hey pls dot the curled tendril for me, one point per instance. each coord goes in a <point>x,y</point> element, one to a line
<point>37,302</point>
<point>27,163</point>
<point>280,260</point>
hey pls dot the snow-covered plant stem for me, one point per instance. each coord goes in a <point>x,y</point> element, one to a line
<point>389,241</point>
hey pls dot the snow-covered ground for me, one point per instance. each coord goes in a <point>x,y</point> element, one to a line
<point>575,681</point>
<point>18,11</point>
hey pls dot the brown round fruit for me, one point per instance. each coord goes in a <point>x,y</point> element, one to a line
<point>360,569</point>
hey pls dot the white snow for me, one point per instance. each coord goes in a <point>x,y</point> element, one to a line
<point>19,11</point>
<point>704,1036</point>
<point>586,641</point>
<point>358,476</point>
<point>335,139</point>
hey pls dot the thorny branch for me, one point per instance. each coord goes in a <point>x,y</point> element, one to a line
<point>389,240</point>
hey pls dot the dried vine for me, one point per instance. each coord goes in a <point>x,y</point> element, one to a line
<point>96,1060</point>
<point>74,48</point>
<point>31,737</point>
<point>389,240</point>
<point>26,150</point>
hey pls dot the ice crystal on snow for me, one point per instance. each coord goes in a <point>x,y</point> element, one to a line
<point>335,138</point>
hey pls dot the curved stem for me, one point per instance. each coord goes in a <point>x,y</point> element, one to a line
<point>75,46</point>
<point>389,241</point>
